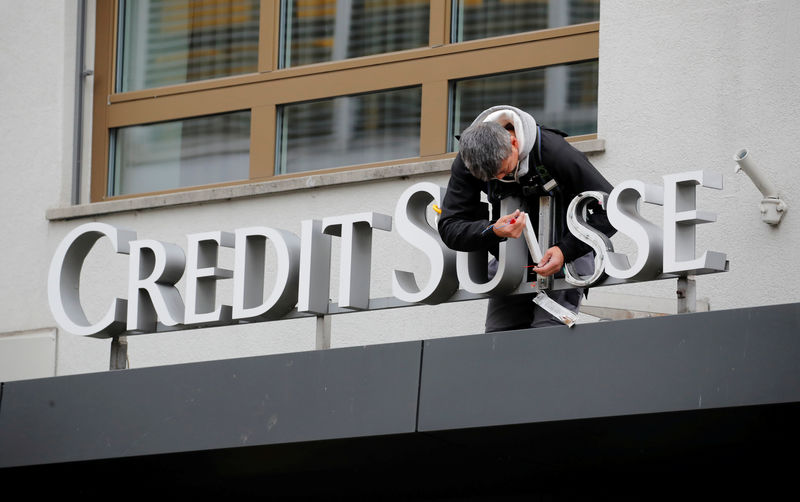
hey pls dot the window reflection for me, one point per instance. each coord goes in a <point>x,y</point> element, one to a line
<point>166,42</point>
<point>476,19</point>
<point>182,153</point>
<point>562,96</point>
<point>349,130</point>
<point>329,30</point>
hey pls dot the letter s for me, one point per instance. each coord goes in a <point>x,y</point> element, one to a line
<point>623,214</point>
<point>65,275</point>
<point>576,222</point>
<point>412,226</point>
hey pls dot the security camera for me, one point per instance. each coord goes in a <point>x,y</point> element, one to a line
<point>745,163</point>
<point>772,207</point>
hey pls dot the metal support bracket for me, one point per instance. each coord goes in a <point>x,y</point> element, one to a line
<point>323,332</point>
<point>119,353</point>
<point>541,299</point>
<point>687,294</point>
<point>545,226</point>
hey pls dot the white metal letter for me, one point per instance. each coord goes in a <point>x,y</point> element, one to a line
<point>63,282</point>
<point>414,228</point>
<point>471,267</point>
<point>355,231</point>
<point>598,241</point>
<point>680,219</point>
<point>153,270</point>
<point>315,268</point>
<point>623,214</point>
<point>249,268</point>
<point>202,273</point>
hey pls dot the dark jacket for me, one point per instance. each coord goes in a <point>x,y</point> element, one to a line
<point>464,217</point>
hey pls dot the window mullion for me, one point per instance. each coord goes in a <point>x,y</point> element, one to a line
<point>262,142</point>
<point>439,29</point>
<point>269,20</point>
<point>433,127</point>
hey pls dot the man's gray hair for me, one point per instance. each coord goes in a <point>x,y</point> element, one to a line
<point>483,147</point>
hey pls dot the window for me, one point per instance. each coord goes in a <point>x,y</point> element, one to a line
<point>476,19</point>
<point>193,93</point>
<point>167,42</point>
<point>181,153</point>
<point>561,96</point>
<point>349,130</point>
<point>320,31</point>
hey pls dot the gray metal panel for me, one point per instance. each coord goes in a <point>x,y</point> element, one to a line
<point>287,403</point>
<point>340,393</point>
<point>684,362</point>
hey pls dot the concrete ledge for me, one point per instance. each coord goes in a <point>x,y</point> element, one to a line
<point>265,188</point>
<point>591,146</point>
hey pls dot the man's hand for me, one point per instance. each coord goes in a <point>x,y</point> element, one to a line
<point>551,262</point>
<point>510,225</point>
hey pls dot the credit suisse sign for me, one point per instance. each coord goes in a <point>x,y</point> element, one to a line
<point>303,263</point>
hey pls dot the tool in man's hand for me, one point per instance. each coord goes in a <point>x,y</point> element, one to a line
<point>558,311</point>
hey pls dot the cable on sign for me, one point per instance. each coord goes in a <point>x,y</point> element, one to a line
<point>511,222</point>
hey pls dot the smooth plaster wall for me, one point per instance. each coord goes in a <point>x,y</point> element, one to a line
<point>34,82</point>
<point>37,48</point>
<point>682,86</point>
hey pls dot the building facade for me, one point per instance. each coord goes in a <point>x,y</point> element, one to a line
<point>190,117</point>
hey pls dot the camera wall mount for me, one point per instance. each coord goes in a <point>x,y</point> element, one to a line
<point>772,206</point>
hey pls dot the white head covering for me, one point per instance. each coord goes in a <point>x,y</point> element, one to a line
<point>524,128</point>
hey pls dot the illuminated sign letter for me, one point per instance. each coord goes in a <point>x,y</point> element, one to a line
<point>623,214</point>
<point>355,231</point>
<point>412,226</point>
<point>302,270</point>
<point>201,277</point>
<point>471,267</point>
<point>65,274</point>
<point>576,222</point>
<point>315,268</point>
<point>680,218</point>
<point>153,270</point>
<point>249,269</point>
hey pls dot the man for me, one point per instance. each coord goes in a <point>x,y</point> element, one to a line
<point>505,152</point>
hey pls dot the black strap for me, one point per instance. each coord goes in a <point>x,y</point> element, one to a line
<point>539,175</point>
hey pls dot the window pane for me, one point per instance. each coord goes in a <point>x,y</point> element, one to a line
<point>329,30</point>
<point>349,130</point>
<point>562,96</point>
<point>166,42</point>
<point>182,153</point>
<point>490,18</point>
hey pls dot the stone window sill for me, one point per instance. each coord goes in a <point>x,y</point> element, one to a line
<point>202,195</point>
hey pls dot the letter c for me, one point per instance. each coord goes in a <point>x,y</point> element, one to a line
<point>63,282</point>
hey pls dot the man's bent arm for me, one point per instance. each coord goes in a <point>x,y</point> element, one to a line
<point>464,219</point>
